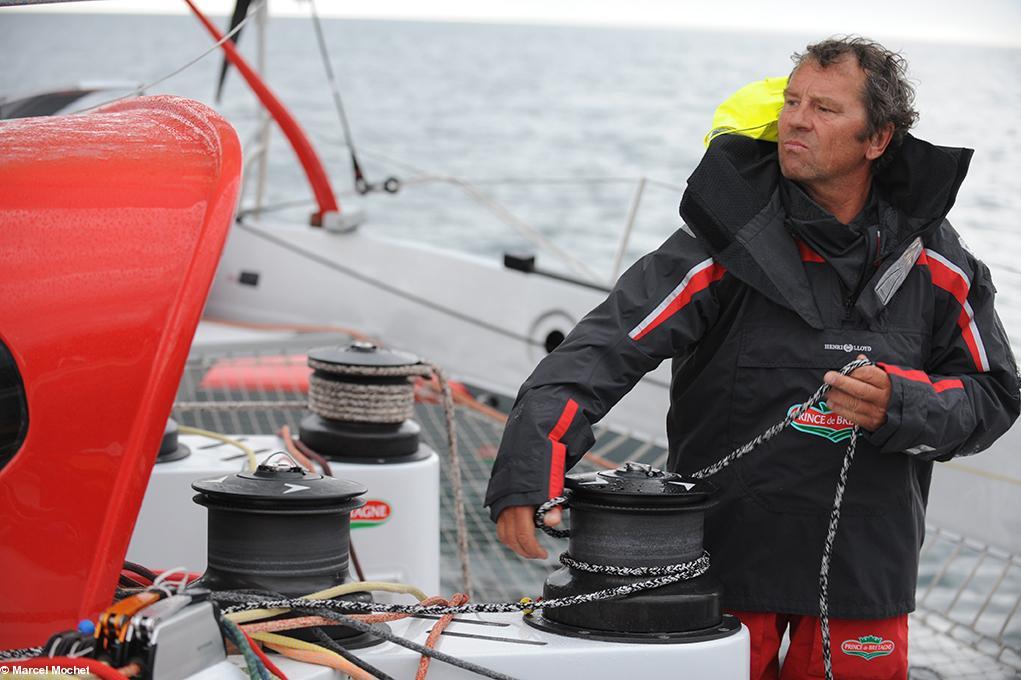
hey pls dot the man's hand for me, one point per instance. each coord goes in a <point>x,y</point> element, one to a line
<point>861,397</point>
<point>516,528</point>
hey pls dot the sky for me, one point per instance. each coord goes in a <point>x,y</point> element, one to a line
<point>990,22</point>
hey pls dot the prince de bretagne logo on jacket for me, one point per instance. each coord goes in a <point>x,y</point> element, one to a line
<point>822,422</point>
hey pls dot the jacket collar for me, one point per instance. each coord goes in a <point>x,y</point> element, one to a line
<point>732,204</point>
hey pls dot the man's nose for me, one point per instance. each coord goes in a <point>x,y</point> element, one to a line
<point>797,117</point>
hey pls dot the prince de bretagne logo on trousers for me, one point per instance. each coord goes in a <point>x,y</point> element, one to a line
<point>868,647</point>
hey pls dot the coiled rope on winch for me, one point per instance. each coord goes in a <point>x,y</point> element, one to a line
<point>389,403</point>
<point>364,402</point>
<point>662,575</point>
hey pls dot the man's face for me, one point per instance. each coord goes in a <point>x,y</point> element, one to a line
<point>823,122</point>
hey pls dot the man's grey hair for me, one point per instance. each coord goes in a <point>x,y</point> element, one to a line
<point>888,96</point>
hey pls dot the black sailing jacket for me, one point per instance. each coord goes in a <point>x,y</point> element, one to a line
<point>752,319</point>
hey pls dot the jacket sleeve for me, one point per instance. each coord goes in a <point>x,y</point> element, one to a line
<point>967,395</point>
<point>659,308</point>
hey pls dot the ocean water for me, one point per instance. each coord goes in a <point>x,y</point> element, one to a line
<point>554,124</point>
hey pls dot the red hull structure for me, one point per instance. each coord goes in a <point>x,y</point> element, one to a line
<point>112,228</point>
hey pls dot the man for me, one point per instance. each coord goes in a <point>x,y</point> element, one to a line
<point>797,256</point>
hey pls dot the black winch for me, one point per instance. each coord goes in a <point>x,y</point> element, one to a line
<point>636,516</point>
<point>283,530</point>
<point>362,398</point>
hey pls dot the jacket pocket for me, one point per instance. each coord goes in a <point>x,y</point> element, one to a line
<point>778,368</point>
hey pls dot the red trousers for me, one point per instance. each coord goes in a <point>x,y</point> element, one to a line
<point>860,649</point>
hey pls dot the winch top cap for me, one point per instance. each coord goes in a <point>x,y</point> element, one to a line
<point>280,480</point>
<point>639,480</point>
<point>362,353</point>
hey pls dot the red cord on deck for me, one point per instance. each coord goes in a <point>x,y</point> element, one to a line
<point>270,666</point>
<point>313,167</point>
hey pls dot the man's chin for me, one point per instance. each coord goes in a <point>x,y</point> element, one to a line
<point>796,172</point>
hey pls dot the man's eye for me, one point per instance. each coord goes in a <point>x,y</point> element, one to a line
<point>790,102</point>
<point>825,109</point>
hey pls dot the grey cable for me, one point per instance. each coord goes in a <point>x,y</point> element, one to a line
<point>335,647</point>
<point>324,53</point>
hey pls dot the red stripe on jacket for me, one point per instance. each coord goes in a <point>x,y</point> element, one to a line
<point>958,286</point>
<point>697,284</point>
<point>558,459</point>
<point>946,278</point>
<point>922,377</point>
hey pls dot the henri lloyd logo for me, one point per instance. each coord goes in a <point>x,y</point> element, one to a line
<point>847,347</point>
<point>822,422</point>
<point>868,647</point>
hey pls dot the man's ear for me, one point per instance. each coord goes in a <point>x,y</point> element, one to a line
<point>878,142</point>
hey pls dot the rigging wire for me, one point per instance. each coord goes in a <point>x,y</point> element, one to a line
<point>141,90</point>
<point>362,186</point>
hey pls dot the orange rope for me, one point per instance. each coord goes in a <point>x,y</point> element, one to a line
<point>287,624</point>
<point>434,635</point>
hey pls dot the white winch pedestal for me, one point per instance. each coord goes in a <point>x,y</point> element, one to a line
<point>396,534</point>
<point>504,643</point>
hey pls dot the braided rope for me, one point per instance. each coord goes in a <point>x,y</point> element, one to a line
<point>540,517</point>
<point>695,567</point>
<point>360,402</point>
<point>827,552</point>
<point>681,572</point>
<point>363,402</point>
<point>455,479</point>
<point>19,654</point>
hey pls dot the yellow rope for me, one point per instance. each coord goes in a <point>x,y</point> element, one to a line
<point>282,644</point>
<point>253,463</point>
